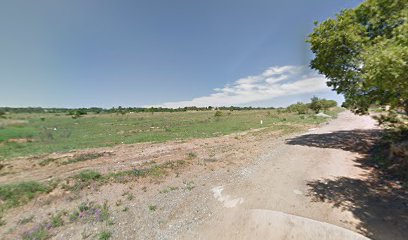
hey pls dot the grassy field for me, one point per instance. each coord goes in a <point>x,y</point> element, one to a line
<point>31,134</point>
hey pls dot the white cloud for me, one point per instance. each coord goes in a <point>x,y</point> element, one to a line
<point>272,83</point>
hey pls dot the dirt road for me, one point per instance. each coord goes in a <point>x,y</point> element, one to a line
<point>278,197</point>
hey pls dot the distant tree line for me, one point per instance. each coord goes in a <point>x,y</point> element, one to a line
<point>316,105</point>
<point>120,110</point>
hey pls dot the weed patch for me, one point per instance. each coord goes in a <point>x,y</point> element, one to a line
<point>47,161</point>
<point>39,232</point>
<point>86,212</point>
<point>26,220</point>
<point>83,157</point>
<point>130,197</point>
<point>152,208</point>
<point>191,155</point>
<point>155,171</point>
<point>169,189</point>
<point>17,194</point>
<point>90,212</point>
<point>189,185</point>
<point>88,175</point>
<point>105,235</point>
<point>57,221</point>
<point>84,179</point>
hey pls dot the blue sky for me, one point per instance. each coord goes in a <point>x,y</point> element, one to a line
<point>164,53</point>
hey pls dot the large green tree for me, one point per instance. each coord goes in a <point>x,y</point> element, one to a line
<point>364,54</point>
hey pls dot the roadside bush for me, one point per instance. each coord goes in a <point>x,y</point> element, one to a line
<point>299,107</point>
<point>327,104</point>
<point>318,104</point>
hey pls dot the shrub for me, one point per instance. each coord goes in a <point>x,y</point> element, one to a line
<point>316,104</point>
<point>326,104</point>
<point>76,113</point>
<point>218,114</point>
<point>299,107</point>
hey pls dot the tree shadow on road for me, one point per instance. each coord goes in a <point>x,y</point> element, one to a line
<point>360,141</point>
<point>379,202</point>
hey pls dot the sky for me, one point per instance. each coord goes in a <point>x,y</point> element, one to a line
<point>130,53</point>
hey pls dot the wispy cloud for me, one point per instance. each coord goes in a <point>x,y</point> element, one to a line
<point>272,83</point>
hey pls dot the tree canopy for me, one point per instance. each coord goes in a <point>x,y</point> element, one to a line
<point>364,54</point>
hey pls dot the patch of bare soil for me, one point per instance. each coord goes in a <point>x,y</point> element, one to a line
<point>128,156</point>
<point>12,122</point>
<point>20,140</point>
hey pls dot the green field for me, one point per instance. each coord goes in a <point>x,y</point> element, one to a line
<point>31,134</point>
